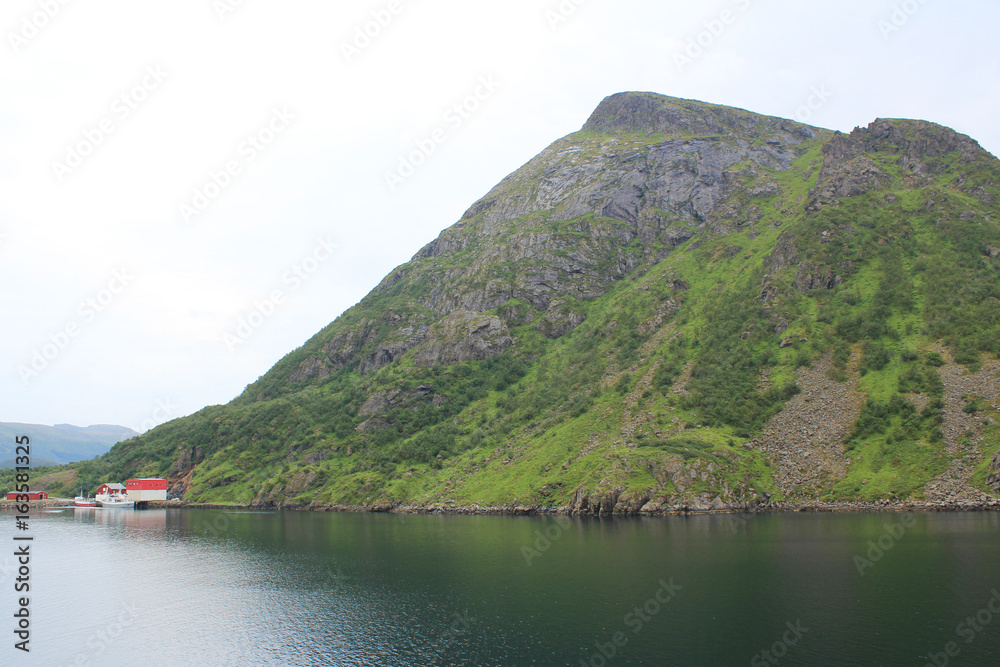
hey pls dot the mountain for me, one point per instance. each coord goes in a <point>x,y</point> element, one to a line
<point>62,443</point>
<point>680,305</point>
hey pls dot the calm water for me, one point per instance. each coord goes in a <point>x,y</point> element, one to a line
<point>184,587</point>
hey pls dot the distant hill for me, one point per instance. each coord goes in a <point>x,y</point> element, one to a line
<point>62,443</point>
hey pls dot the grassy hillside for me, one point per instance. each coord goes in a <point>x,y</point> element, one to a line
<point>820,318</point>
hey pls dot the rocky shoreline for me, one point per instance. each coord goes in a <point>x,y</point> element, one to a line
<point>987,505</point>
<point>990,505</point>
<point>48,503</point>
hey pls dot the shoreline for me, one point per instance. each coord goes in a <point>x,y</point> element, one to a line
<point>678,510</point>
<point>991,505</point>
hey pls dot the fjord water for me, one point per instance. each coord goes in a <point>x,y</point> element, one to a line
<point>200,587</point>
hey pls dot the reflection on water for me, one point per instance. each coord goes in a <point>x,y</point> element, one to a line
<point>154,521</point>
<point>190,587</point>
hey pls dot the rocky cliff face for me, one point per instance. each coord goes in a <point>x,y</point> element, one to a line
<point>680,306</point>
<point>920,149</point>
<point>645,175</point>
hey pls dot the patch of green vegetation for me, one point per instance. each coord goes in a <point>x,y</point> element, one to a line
<point>896,450</point>
<point>732,347</point>
<point>686,448</point>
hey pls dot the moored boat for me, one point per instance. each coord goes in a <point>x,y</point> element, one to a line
<point>116,500</point>
<point>83,501</point>
<point>113,494</point>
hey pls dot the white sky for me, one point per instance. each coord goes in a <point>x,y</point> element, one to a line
<point>157,348</point>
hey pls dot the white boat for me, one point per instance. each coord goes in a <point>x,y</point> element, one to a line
<point>112,500</point>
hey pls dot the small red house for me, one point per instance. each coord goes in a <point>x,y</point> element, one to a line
<point>112,489</point>
<point>32,495</point>
<point>147,488</point>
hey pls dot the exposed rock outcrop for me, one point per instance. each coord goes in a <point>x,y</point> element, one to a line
<point>387,351</point>
<point>848,170</point>
<point>649,113</point>
<point>379,404</point>
<point>812,276</point>
<point>809,276</point>
<point>993,479</point>
<point>559,320</point>
<point>382,401</point>
<point>463,336</point>
<point>602,504</point>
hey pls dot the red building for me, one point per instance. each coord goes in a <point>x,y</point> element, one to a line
<point>32,495</point>
<point>149,488</point>
<point>112,489</point>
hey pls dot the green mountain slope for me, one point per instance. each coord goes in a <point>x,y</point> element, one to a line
<point>680,305</point>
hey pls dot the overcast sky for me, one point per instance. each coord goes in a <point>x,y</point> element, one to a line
<point>170,169</point>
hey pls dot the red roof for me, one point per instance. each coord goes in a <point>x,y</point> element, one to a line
<point>32,495</point>
<point>145,483</point>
